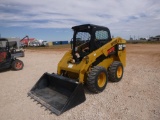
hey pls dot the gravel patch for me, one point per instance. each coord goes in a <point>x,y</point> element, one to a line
<point>135,97</point>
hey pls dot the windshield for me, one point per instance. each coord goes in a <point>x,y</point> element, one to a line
<point>82,37</point>
<point>3,44</point>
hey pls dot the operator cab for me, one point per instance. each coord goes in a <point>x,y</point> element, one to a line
<point>87,38</point>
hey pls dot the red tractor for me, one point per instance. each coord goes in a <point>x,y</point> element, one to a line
<point>8,56</point>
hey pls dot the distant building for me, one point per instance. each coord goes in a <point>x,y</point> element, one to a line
<point>60,42</point>
<point>26,41</point>
<point>50,44</point>
<point>156,38</point>
<point>142,39</point>
<point>131,38</point>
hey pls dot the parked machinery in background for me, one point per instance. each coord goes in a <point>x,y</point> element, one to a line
<point>9,55</point>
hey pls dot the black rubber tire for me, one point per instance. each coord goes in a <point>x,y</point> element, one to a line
<point>92,79</point>
<point>14,64</point>
<point>113,69</point>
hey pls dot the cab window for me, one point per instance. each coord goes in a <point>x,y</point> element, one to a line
<point>101,35</point>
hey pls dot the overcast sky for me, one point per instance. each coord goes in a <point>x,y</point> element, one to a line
<point>52,19</point>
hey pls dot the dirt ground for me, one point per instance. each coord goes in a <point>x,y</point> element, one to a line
<point>135,97</point>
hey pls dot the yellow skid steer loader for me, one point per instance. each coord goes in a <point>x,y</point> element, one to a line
<point>94,59</point>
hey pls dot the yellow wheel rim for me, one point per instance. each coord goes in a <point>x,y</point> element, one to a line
<point>101,79</point>
<point>119,71</point>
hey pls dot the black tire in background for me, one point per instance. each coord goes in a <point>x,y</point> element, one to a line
<point>115,71</point>
<point>17,64</point>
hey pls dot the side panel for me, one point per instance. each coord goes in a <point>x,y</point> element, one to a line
<point>106,63</point>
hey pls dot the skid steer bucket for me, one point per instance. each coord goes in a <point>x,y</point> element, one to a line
<point>57,93</point>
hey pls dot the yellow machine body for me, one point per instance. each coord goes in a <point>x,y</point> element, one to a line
<point>103,61</point>
<point>80,70</point>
